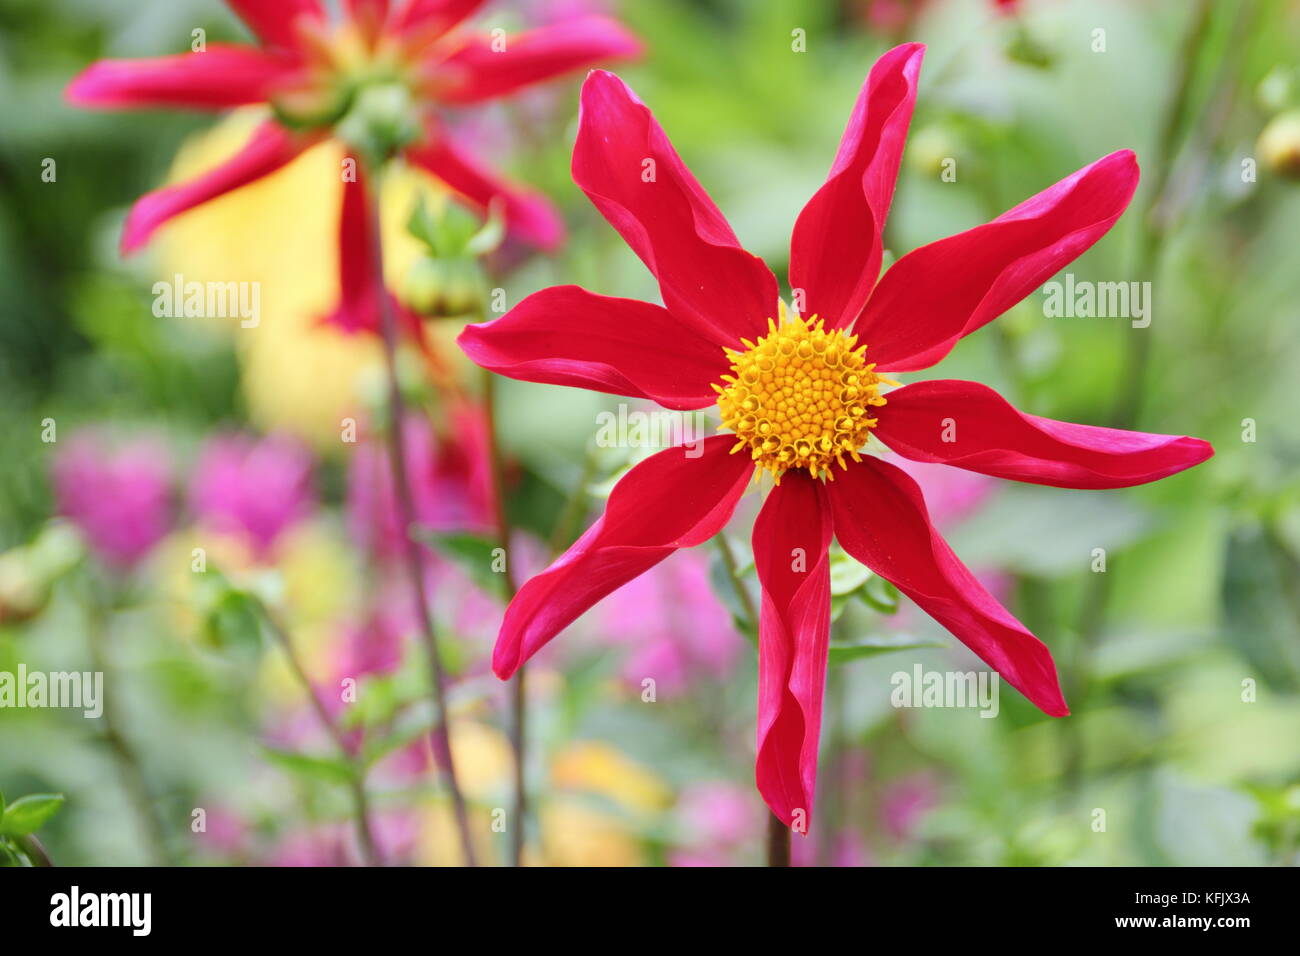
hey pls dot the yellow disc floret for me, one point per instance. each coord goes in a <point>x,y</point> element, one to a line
<point>801,397</point>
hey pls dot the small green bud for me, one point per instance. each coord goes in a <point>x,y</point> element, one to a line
<point>1279,144</point>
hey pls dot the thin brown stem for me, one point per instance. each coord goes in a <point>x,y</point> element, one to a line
<point>413,557</point>
<point>778,842</point>
<point>733,572</point>
<point>1128,401</point>
<point>129,768</point>
<point>518,683</point>
<point>34,850</point>
<point>357,781</point>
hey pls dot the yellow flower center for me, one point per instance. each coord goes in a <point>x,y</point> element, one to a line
<point>801,397</point>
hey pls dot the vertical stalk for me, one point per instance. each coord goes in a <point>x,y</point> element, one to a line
<point>357,782</point>
<point>518,683</point>
<point>413,557</point>
<point>1128,402</point>
<point>778,842</point>
<point>129,769</point>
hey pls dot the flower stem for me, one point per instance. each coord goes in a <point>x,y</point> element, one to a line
<point>34,850</point>
<point>778,842</point>
<point>413,557</point>
<point>357,782</point>
<point>733,573</point>
<point>1128,401</point>
<point>518,683</point>
<point>129,768</point>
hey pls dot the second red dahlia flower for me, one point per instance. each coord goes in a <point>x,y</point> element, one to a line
<point>381,66</point>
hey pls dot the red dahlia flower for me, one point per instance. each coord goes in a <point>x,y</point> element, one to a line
<point>406,59</point>
<point>797,391</point>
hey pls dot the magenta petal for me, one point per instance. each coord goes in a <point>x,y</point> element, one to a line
<point>529,215</point>
<point>218,78</point>
<point>432,18</point>
<point>269,148</point>
<point>358,303</point>
<point>835,249</point>
<point>791,539</point>
<point>476,71</point>
<point>276,21</point>
<point>881,519</point>
<point>630,171</point>
<point>674,499</point>
<point>971,426</point>
<point>937,294</point>
<point>569,336</point>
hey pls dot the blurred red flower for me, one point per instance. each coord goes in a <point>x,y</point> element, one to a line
<point>312,73</point>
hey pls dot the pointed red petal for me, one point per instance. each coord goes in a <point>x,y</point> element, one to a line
<point>971,426</point>
<point>268,149</point>
<point>569,336</point>
<point>483,68</point>
<point>529,215</point>
<point>791,539</point>
<point>669,501</point>
<point>630,171</point>
<point>835,248</point>
<point>881,519</point>
<point>937,294</point>
<point>219,77</point>
<point>275,21</point>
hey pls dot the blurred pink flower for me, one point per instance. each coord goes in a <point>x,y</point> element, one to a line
<point>847,849</point>
<point>334,844</point>
<point>950,493</point>
<point>118,496</point>
<point>258,488</point>
<point>905,803</point>
<point>672,624</point>
<point>720,814</point>
<point>449,477</point>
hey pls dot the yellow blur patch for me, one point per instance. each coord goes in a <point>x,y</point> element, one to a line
<point>282,232</point>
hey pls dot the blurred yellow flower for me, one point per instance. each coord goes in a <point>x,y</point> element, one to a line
<point>282,233</point>
<point>596,767</point>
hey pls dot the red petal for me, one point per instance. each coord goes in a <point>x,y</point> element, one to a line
<point>669,501</point>
<point>221,76</point>
<point>529,215</point>
<point>275,21</point>
<point>988,435</point>
<point>791,537</point>
<point>938,293</point>
<point>432,18</point>
<point>358,304</point>
<point>835,249</point>
<point>569,336</point>
<point>268,149</point>
<point>476,72</point>
<point>881,519</point>
<point>630,171</point>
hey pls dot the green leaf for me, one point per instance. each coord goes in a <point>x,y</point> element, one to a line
<point>28,814</point>
<point>875,644</point>
<point>880,594</point>
<point>8,856</point>
<point>473,554</point>
<point>493,231</point>
<point>332,769</point>
<point>847,574</point>
<point>234,619</point>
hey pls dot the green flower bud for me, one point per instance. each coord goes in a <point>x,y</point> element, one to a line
<point>1279,144</point>
<point>381,121</point>
<point>445,287</point>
